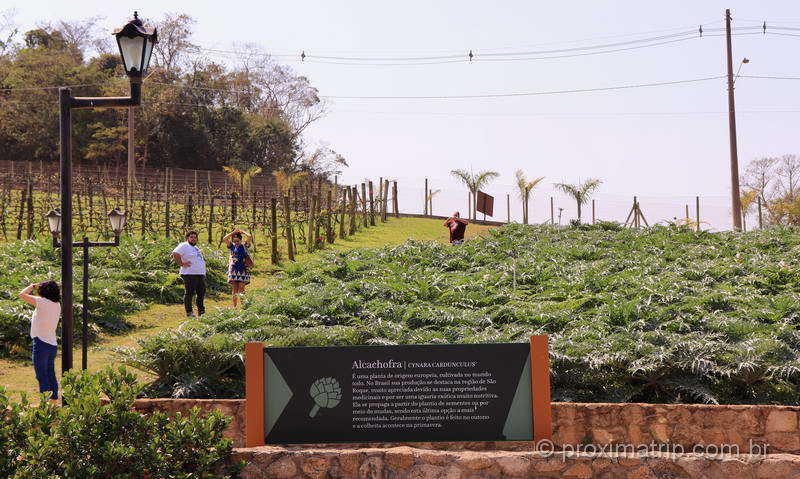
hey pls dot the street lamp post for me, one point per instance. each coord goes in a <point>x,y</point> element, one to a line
<point>117,220</point>
<point>136,46</point>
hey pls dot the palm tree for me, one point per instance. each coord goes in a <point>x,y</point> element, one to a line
<point>475,182</point>
<point>747,200</point>
<point>286,181</point>
<point>242,178</point>
<point>524,186</point>
<point>580,193</point>
<point>429,198</point>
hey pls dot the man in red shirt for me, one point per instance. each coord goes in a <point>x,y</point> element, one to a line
<point>457,227</point>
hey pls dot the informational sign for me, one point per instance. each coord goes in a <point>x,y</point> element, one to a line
<point>417,393</point>
<point>485,204</point>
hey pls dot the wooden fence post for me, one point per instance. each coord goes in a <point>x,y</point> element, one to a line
<point>353,193</point>
<point>328,225</point>
<point>371,204</point>
<point>395,201</point>
<point>30,209</point>
<point>697,211</point>
<point>287,213</point>
<point>364,203</point>
<point>210,218</point>
<point>274,231</point>
<point>425,198</point>
<point>342,229</point>
<point>384,200</point>
<point>310,240</point>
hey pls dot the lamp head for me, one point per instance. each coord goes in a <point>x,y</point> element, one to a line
<point>135,43</point>
<point>54,221</point>
<point>117,219</point>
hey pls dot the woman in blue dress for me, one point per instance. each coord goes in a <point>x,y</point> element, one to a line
<point>238,271</point>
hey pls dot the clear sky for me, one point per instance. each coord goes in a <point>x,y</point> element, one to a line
<point>665,144</point>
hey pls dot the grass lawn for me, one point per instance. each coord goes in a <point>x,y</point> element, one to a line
<point>18,376</point>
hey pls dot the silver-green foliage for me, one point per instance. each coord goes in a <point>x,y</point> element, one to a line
<point>660,315</point>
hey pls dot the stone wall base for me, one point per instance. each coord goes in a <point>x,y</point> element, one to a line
<point>406,462</point>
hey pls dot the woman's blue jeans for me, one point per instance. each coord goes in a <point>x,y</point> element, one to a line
<point>44,363</point>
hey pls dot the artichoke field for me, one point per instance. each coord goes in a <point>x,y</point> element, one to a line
<point>664,314</point>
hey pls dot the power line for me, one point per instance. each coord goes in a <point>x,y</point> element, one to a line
<point>762,77</point>
<point>53,87</point>
<point>523,94</point>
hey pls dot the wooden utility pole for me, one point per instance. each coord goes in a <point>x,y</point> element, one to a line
<point>552,216</point>
<point>736,202</point>
<point>508,207</point>
<point>131,152</point>
<point>593,220</point>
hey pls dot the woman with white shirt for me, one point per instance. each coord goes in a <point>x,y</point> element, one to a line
<point>43,331</point>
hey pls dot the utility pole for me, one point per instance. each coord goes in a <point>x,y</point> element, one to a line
<point>736,202</point>
<point>131,153</point>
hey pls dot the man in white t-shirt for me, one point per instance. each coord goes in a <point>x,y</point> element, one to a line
<point>193,272</point>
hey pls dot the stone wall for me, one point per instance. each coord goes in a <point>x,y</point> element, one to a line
<point>687,425</point>
<point>412,463</point>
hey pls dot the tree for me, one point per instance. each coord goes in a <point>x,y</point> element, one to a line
<point>475,182</point>
<point>242,177</point>
<point>747,200</point>
<point>524,188</point>
<point>776,181</point>
<point>580,192</point>
<point>286,180</point>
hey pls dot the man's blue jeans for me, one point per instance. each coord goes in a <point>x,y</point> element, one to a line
<point>44,363</point>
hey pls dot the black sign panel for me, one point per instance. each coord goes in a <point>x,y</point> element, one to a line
<point>485,204</point>
<point>398,393</point>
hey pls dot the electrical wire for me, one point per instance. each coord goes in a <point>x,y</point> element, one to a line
<point>762,77</point>
<point>523,94</point>
<point>53,87</point>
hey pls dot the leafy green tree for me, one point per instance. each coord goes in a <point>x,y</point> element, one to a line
<point>581,193</point>
<point>475,182</point>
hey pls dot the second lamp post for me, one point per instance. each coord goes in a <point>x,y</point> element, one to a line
<point>117,219</point>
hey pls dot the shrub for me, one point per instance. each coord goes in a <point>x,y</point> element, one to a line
<point>96,438</point>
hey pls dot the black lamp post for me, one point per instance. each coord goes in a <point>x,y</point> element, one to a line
<point>117,220</point>
<point>135,45</point>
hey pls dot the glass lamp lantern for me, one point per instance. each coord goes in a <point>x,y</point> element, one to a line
<point>136,46</point>
<point>54,221</point>
<point>117,219</point>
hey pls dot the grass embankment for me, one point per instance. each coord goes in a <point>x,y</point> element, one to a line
<point>17,375</point>
<point>659,315</point>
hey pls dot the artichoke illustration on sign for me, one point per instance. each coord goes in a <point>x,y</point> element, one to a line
<point>326,393</point>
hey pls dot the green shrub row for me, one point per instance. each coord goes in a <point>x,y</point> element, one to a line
<point>91,438</point>
<point>658,315</point>
<point>123,280</point>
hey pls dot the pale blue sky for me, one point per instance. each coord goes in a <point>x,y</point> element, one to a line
<point>666,144</point>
